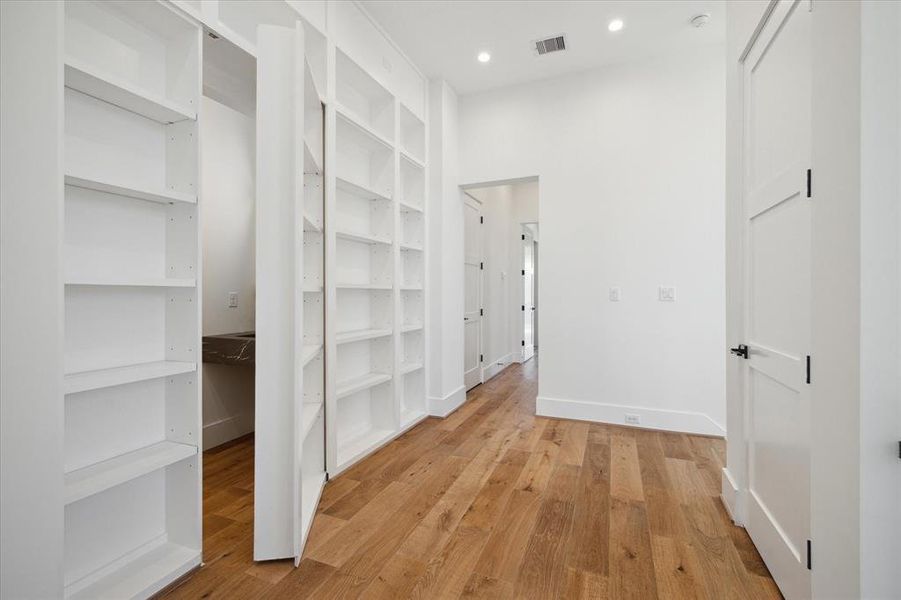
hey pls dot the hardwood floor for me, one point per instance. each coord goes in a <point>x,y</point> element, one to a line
<point>494,502</point>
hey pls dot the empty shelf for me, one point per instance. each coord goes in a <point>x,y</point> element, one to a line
<point>408,327</point>
<point>411,416</point>
<point>312,488</point>
<point>311,411</point>
<point>411,288</point>
<point>363,286</point>
<point>312,161</point>
<point>139,282</point>
<point>310,225</point>
<point>351,126</point>
<point>358,384</point>
<point>409,246</point>
<point>416,162</point>
<point>103,378</point>
<point>309,352</point>
<point>358,335</point>
<point>110,473</point>
<point>407,207</point>
<point>140,576</point>
<point>123,94</point>
<point>409,367</point>
<point>161,196</point>
<point>353,448</point>
<point>364,238</point>
<point>359,190</point>
<point>312,289</point>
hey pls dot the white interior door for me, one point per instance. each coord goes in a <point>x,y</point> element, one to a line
<point>472,303</point>
<point>278,312</point>
<point>528,302</point>
<point>777,100</point>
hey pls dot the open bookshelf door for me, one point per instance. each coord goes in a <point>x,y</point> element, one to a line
<point>290,421</point>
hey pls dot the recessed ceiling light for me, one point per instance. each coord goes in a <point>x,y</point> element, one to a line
<point>484,57</point>
<point>615,25</point>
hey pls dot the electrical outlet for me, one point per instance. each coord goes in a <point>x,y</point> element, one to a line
<point>233,299</point>
<point>666,293</point>
<point>615,294</point>
<point>633,419</point>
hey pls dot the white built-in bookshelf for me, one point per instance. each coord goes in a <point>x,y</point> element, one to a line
<point>132,303</point>
<point>132,295</point>
<point>311,469</point>
<point>378,228</point>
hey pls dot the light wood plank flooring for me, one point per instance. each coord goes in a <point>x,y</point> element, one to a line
<point>494,502</point>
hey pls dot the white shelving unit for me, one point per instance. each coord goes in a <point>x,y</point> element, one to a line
<point>311,468</point>
<point>132,305</point>
<point>376,252</point>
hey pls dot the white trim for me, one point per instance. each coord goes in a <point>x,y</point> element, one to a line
<point>732,498</point>
<point>615,414</point>
<point>496,366</point>
<point>226,430</point>
<point>441,407</point>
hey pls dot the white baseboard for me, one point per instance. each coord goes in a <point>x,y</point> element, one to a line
<point>496,366</point>
<point>226,430</point>
<point>650,418</point>
<point>441,407</point>
<point>731,498</point>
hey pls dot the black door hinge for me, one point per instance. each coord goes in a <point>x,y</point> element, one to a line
<point>809,182</point>
<point>809,560</point>
<point>524,307</point>
<point>481,266</point>
<point>808,368</point>
<point>524,272</point>
<point>481,358</point>
<point>326,475</point>
<point>523,237</point>
<point>523,342</point>
<point>481,312</point>
<point>481,219</point>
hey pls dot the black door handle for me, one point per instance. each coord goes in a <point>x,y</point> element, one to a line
<point>741,351</point>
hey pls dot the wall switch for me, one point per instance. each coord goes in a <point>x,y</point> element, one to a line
<point>666,293</point>
<point>633,419</point>
<point>615,294</point>
<point>233,299</point>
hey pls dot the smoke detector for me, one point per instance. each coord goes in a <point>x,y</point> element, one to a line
<point>699,21</point>
<point>554,43</point>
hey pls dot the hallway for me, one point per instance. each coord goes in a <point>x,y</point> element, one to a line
<point>494,502</point>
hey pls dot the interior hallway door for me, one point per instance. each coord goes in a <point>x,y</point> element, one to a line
<point>472,303</point>
<point>776,229</point>
<point>528,293</point>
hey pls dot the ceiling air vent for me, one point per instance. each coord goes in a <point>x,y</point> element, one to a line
<point>551,44</point>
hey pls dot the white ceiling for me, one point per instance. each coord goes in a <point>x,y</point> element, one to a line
<point>443,37</point>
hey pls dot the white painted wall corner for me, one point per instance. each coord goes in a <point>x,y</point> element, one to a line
<point>441,407</point>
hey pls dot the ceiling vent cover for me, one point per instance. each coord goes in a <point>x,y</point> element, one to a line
<point>552,44</point>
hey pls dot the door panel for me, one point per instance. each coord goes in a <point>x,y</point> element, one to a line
<point>777,292</point>
<point>472,271</point>
<point>528,346</point>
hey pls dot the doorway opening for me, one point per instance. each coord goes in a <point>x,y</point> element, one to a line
<point>500,276</point>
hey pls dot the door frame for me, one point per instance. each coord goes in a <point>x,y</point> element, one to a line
<point>469,199</point>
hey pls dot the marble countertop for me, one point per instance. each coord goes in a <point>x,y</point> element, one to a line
<point>230,348</point>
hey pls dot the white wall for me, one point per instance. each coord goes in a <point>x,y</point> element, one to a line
<point>630,164</point>
<point>445,255</point>
<point>504,208</point>
<point>31,300</point>
<point>228,139</point>
<point>880,280</point>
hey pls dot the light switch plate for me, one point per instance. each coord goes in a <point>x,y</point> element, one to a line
<point>233,299</point>
<point>615,294</point>
<point>666,293</point>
